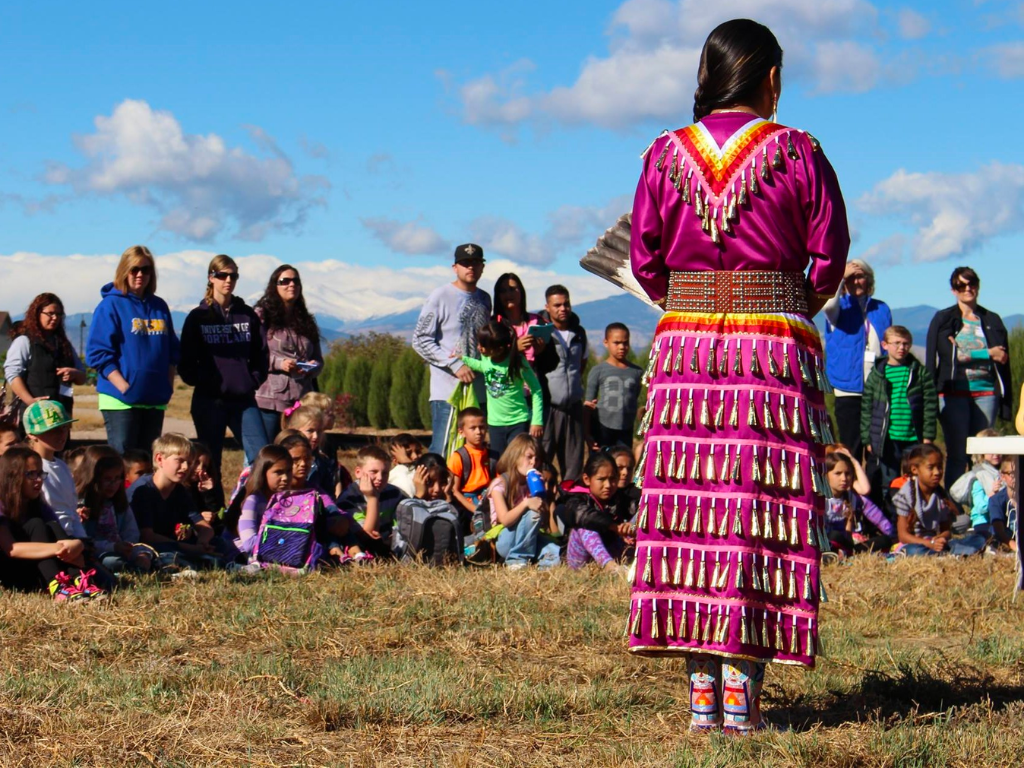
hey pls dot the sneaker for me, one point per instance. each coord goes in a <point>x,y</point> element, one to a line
<point>517,565</point>
<point>362,558</point>
<point>87,588</point>
<point>63,589</point>
<point>546,563</point>
<point>185,573</point>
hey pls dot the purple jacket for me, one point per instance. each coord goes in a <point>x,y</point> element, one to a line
<point>281,390</point>
<point>863,508</point>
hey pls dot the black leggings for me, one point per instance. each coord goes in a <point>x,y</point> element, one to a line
<point>844,541</point>
<point>31,574</point>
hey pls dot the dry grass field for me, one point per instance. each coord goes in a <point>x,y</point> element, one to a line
<point>392,665</point>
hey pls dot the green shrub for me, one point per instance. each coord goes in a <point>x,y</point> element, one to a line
<point>358,371</point>
<point>377,410</point>
<point>406,383</point>
<point>424,399</point>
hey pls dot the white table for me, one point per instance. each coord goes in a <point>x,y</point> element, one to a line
<point>1012,445</point>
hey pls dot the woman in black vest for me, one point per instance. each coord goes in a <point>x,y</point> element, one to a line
<point>41,364</point>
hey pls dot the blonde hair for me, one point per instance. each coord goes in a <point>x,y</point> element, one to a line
<point>318,400</point>
<point>173,444</point>
<point>867,270</point>
<point>304,414</point>
<point>977,458</point>
<point>508,464</point>
<point>136,256</point>
<point>217,263</point>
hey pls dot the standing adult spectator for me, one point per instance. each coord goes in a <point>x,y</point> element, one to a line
<point>855,323</point>
<point>293,347</point>
<point>224,356</point>
<point>734,365</point>
<point>133,347</point>
<point>446,330</point>
<point>968,354</point>
<point>510,307</point>
<point>41,364</point>
<point>562,382</point>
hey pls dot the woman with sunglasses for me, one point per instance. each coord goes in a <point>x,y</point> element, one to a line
<point>224,357</point>
<point>969,358</point>
<point>41,363</point>
<point>293,346</point>
<point>133,347</point>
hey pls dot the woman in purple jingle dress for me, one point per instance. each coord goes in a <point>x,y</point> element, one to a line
<point>729,212</point>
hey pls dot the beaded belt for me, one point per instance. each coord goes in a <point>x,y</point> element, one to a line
<point>744,291</point>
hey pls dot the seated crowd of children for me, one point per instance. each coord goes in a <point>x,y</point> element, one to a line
<point>76,526</point>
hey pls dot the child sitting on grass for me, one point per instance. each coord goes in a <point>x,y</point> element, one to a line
<point>624,466</point>
<point>975,487</point>
<point>405,450</point>
<point>853,522</point>
<point>472,466</point>
<point>432,494</point>
<point>271,473</point>
<point>596,516</point>
<point>207,494</point>
<point>1002,508</point>
<point>103,508</point>
<point>137,463</point>
<point>925,512</point>
<point>36,550</point>
<point>48,427</point>
<point>513,507</point>
<point>372,502</point>
<point>167,519</point>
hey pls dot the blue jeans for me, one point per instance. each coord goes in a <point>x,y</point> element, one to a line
<point>963,417</point>
<point>212,416</point>
<point>271,423</point>
<point>968,544</point>
<point>134,428</point>
<point>440,411</point>
<point>519,542</point>
<point>499,437</point>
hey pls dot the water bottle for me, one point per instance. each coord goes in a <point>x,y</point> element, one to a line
<point>535,483</point>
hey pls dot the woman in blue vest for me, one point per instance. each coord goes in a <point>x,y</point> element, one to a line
<point>855,323</point>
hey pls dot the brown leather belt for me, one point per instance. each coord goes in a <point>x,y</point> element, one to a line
<point>741,291</point>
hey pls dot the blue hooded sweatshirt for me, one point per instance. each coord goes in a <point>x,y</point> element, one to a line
<point>136,337</point>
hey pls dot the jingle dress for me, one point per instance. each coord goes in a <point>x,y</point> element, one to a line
<point>730,527</point>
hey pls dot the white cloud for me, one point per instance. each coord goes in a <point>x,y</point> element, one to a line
<point>405,237</point>
<point>1006,59</point>
<point>333,288</point>
<point>650,69</point>
<point>912,25</point>
<point>198,184</point>
<point>952,213</point>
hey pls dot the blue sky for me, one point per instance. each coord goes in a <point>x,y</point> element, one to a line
<point>362,141</point>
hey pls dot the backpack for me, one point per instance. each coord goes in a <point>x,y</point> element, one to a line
<point>429,530</point>
<point>287,535</point>
<point>960,491</point>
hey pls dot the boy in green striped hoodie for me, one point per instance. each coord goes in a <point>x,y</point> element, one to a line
<point>900,405</point>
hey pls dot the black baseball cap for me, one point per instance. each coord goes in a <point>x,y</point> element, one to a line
<point>468,252</point>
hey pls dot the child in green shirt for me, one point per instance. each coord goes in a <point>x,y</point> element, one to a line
<point>505,378</point>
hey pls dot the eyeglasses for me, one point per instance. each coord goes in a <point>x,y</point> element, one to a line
<point>135,271</point>
<point>224,275</point>
<point>52,315</point>
<point>36,474</point>
<point>961,287</point>
<point>288,281</point>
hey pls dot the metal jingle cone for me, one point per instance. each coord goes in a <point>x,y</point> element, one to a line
<point>716,238</point>
<point>636,618</point>
<point>688,418</point>
<point>678,364</point>
<point>783,419</point>
<point>698,203</point>
<point>734,414</point>
<point>755,523</point>
<point>787,371</point>
<point>671,472</point>
<point>743,199</point>
<point>642,520</point>
<point>812,424</point>
<point>655,630</point>
<point>705,411</point>
<point>737,361</point>
<point>766,578</point>
<point>790,149</point>
<point>796,482</point>
<point>716,573</point>
<point>808,588</point>
<point>696,624</point>
<point>724,474</point>
<point>769,470</point>
<point>744,630</point>
<point>766,526</point>
<point>673,524</point>
<point>666,363</point>
<point>723,577</point>
<point>755,469</point>
<point>755,579</point>
<point>695,466</point>
<point>673,169</point>
<point>791,590</point>
<point>677,410</point>
<point>659,464</point>
<point>638,475</point>
<point>755,363</point>
<point>765,173</point>
<point>681,466</point>
<point>812,539</point>
<point>666,408</point>
<point>780,524</point>
<point>764,630</point>
<point>664,567</point>
<point>794,640</point>
<point>661,158</point>
<point>705,636</point>
<point>648,572</point>
<point>734,476</point>
<point>794,533</point>
<point>737,522</point>
<point>710,470</point>
<point>783,472</point>
<point>734,211</point>
<point>659,517</point>
<point>751,410</point>
<point>779,644</point>
<point>670,622</point>
<point>652,361</point>
<point>695,357</point>
<point>686,188</point>
<point>723,525</point>
<point>698,517</point>
<point>712,521</point>
<point>710,363</point>
<point>755,188</point>
<point>726,221</point>
<point>811,651</point>
<point>688,582</point>
<point>738,581</point>
<point>683,621</point>
<point>631,575</point>
<point>677,573</point>
<point>773,367</point>
<point>723,361</point>
<point>766,417</point>
<point>777,157</point>
<point>684,522</point>
<point>795,427</point>
<point>805,371</point>
<point>701,578</point>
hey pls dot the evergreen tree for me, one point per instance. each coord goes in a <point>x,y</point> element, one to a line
<point>406,383</point>
<point>377,399</point>
<point>358,371</point>
<point>424,399</point>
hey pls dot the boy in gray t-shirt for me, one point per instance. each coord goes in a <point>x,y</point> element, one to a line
<point>613,388</point>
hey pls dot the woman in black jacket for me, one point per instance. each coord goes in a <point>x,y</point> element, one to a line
<point>968,354</point>
<point>224,356</point>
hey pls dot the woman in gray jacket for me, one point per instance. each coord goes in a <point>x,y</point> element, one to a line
<point>293,346</point>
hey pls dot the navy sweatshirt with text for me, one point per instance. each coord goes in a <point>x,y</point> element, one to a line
<point>223,354</point>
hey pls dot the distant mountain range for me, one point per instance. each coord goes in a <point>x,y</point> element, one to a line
<point>594,316</point>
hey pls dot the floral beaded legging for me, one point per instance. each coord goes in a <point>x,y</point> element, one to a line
<point>725,693</point>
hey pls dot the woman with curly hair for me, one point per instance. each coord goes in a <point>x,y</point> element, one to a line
<point>41,364</point>
<point>293,345</point>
